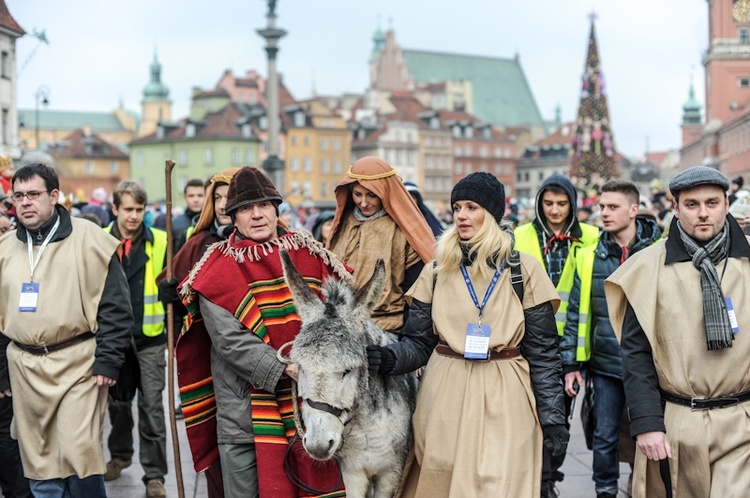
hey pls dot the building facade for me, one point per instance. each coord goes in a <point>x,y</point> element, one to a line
<point>10,31</point>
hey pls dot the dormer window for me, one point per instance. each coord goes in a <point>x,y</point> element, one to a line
<point>456,131</point>
<point>190,130</point>
<point>434,123</point>
<point>247,131</point>
<point>486,132</point>
<point>469,132</point>
<point>299,119</point>
<point>160,133</point>
<point>263,122</point>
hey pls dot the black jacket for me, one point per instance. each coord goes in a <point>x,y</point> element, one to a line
<point>539,346</point>
<point>135,270</point>
<point>606,358</point>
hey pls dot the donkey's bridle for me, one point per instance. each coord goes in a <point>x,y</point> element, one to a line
<point>325,407</point>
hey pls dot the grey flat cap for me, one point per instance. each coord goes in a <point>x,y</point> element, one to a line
<point>695,176</point>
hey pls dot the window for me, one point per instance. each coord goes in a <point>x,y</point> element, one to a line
<point>307,141</point>
<point>541,176</point>
<point>398,135</point>
<point>526,176</point>
<point>208,156</point>
<point>469,132</point>
<point>114,167</point>
<point>507,152</point>
<point>307,165</point>
<point>235,156</point>
<point>427,161</point>
<point>294,189</point>
<point>88,167</point>
<point>293,140</point>
<point>323,144</point>
<point>336,144</point>
<point>249,156</point>
<point>428,185</point>
<point>307,189</point>
<point>447,163</point>
<point>467,168</point>
<point>410,157</point>
<point>337,165</point>
<point>483,151</point>
<point>182,155</point>
<point>498,152</point>
<point>744,36</point>
<point>427,141</point>
<point>399,157</point>
<point>458,168</point>
<point>299,119</point>
<point>246,130</point>
<point>6,127</point>
<point>457,151</point>
<point>5,65</point>
<point>323,189</point>
<point>182,182</point>
<point>467,150</point>
<point>190,130</point>
<point>324,165</point>
<point>744,82</point>
<point>456,131</point>
<point>294,165</point>
<point>483,167</point>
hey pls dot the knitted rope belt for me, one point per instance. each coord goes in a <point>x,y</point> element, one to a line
<point>46,349</point>
<point>705,403</point>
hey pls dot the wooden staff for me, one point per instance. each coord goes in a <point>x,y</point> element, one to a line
<point>168,166</point>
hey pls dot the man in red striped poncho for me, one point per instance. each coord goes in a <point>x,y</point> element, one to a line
<point>238,290</point>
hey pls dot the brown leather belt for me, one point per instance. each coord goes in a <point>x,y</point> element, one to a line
<point>46,349</point>
<point>443,349</point>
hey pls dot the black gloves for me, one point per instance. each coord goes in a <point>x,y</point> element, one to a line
<point>556,439</point>
<point>380,360</point>
<point>168,291</point>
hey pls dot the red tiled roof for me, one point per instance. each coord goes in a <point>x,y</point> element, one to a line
<point>656,157</point>
<point>562,136</point>
<point>408,108</point>
<point>222,123</point>
<point>246,82</point>
<point>371,138</point>
<point>73,146</point>
<point>7,21</point>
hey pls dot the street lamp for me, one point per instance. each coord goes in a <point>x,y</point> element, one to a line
<point>273,165</point>
<point>41,97</point>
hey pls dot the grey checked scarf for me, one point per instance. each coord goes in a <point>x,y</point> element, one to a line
<point>718,329</point>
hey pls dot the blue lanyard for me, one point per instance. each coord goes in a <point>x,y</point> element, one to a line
<point>473,293</point>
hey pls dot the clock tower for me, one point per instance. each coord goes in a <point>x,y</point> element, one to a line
<point>727,60</point>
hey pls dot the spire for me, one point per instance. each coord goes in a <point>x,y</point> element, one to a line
<point>378,41</point>
<point>593,150</point>
<point>691,110</point>
<point>155,90</point>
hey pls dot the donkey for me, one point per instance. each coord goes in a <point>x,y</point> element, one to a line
<point>361,420</point>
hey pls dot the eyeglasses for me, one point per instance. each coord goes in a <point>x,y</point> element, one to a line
<point>31,194</point>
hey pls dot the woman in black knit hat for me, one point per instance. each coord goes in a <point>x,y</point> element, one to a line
<point>491,394</point>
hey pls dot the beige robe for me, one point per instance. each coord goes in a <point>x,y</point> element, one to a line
<point>710,448</point>
<point>360,244</point>
<point>58,409</point>
<point>476,431</point>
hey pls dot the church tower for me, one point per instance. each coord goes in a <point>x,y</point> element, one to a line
<point>155,106</point>
<point>692,126</point>
<point>727,64</point>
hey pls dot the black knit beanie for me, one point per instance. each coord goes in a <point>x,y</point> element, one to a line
<point>250,185</point>
<point>485,190</point>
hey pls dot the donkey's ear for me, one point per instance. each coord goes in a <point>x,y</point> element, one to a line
<point>308,304</point>
<point>369,295</point>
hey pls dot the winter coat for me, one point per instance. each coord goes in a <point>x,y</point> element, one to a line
<point>605,357</point>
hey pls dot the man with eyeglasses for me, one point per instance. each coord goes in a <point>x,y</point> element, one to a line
<point>66,313</point>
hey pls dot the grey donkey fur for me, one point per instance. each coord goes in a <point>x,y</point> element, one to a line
<point>361,420</point>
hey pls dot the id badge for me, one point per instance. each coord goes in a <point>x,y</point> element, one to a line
<point>29,296</point>
<point>477,342</point>
<point>732,315</point>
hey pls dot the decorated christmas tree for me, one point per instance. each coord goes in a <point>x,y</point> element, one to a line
<point>592,155</point>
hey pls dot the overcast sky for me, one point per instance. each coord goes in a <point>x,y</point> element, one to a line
<point>100,50</point>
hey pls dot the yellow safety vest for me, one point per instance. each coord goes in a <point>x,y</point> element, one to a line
<point>153,309</point>
<point>527,241</point>
<point>189,231</point>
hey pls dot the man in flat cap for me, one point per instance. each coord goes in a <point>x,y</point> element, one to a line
<point>681,311</point>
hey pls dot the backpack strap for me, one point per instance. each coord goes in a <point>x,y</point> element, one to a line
<point>516,277</point>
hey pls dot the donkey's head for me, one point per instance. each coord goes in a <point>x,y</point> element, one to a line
<point>330,352</point>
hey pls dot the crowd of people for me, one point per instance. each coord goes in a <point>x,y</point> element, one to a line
<point>506,314</point>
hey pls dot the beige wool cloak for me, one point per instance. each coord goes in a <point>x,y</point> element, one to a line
<point>476,431</point>
<point>58,409</point>
<point>710,448</point>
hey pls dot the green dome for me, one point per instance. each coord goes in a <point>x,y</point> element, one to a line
<point>378,41</point>
<point>155,90</point>
<point>691,110</point>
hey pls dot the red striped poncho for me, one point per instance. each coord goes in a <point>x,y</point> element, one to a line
<point>246,278</point>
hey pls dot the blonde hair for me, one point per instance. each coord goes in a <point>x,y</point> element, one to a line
<point>493,242</point>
